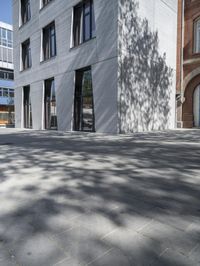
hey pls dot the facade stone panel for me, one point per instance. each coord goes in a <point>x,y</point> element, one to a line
<point>133,72</point>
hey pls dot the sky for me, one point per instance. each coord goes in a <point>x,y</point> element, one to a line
<point>6,11</point>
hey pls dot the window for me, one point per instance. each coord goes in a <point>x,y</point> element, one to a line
<point>5,92</point>
<point>50,116</point>
<point>27,108</point>
<point>25,11</point>
<point>10,38</point>
<point>197,36</point>
<point>6,38</point>
<point>26,54</point>
<point>49,41</point>
<point>84,22</point>
<point>10,56</point>
<point>6,74</point>
<point>6,54</point>
<point>11,93</point>
<point>45,2</point>
<point>83,102</point>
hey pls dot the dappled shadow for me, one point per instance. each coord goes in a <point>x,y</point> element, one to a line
<point>145,80</point>
<point>95,196</point>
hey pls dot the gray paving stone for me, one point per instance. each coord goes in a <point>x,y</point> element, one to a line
<point>134,221</point>
<point>173,218</point>
<point>65,262</point>
<point>113,257</point>
<point>194,255</point>
<point>169,237</point>
<point>54,224</point>
<point>6,258</point>
<point>37,250</point>
<point>98,224</point>
<point>81,245</point>
<point>171,258</point>
<point>71,200</point>
<point>17,232</point>
<point>135,247</point>
<point>194,229</point>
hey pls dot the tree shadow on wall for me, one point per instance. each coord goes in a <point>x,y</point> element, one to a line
<point>145,80</point>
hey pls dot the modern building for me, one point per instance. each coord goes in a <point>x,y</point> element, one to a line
<point>95,65</point>
<point>6,75</point>
<point>188,64</point>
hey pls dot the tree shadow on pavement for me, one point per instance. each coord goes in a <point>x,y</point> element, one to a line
<point>99,199</point>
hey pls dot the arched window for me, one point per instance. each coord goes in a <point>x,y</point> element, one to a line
<point>197,35</point>
<point>196,106</point>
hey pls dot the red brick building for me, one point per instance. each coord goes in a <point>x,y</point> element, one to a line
<point>188,64</point>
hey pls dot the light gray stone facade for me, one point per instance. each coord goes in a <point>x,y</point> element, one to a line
<point>132,59</point>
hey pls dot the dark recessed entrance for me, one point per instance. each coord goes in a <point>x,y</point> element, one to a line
<point>27,108</point>
<point>50,116</point>
<point>83,101</point>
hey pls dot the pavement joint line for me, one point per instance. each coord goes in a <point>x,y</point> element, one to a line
<point>187,229</point>
<point>163,252</point>
<point>142,227</point>
<point>111,232</point>
<point>193,249</point>
<point>100,256</point>
<point>170,225</point>
<point>148,237</point>
<point>65,231</point>
<point>57,264</point>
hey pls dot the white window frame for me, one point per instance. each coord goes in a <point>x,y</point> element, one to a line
<point>196,37</point>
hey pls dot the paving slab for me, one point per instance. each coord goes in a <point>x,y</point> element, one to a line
<point>71,199</point>
<point>38,249</point>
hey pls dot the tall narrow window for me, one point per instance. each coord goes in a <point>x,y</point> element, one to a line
<point>50,115</point>
<point>84,22</point>
<point>27,108</point>
<point>83,102</point>
<point>45,2</point>
<point>26,55</point>
<point>197,36</point>
<point>25,11</point>
<point>49,41</point>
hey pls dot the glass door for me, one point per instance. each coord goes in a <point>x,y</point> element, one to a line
<point>27,108</point>
<point>50,115</point>
<point>83,103</point>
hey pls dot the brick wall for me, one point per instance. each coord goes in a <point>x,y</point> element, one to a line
<point>190,60</point>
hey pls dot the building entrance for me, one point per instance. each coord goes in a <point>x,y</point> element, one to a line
<point>50,116</point>
<point>27,108</point>
<point>83,102</point>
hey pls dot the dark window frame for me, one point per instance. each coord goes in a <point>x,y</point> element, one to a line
<point>79,96</point>
<point>5,92</point>
<point>45,2</point>
<point>26,55</point>
<point>25,11</point>
<point>6,74</point>
<point>28,123</point>
<point>79,22</point>
<point>49,41</point>
<point>50,118</point>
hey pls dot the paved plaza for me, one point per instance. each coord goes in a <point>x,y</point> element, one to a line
<point>69,199</point>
